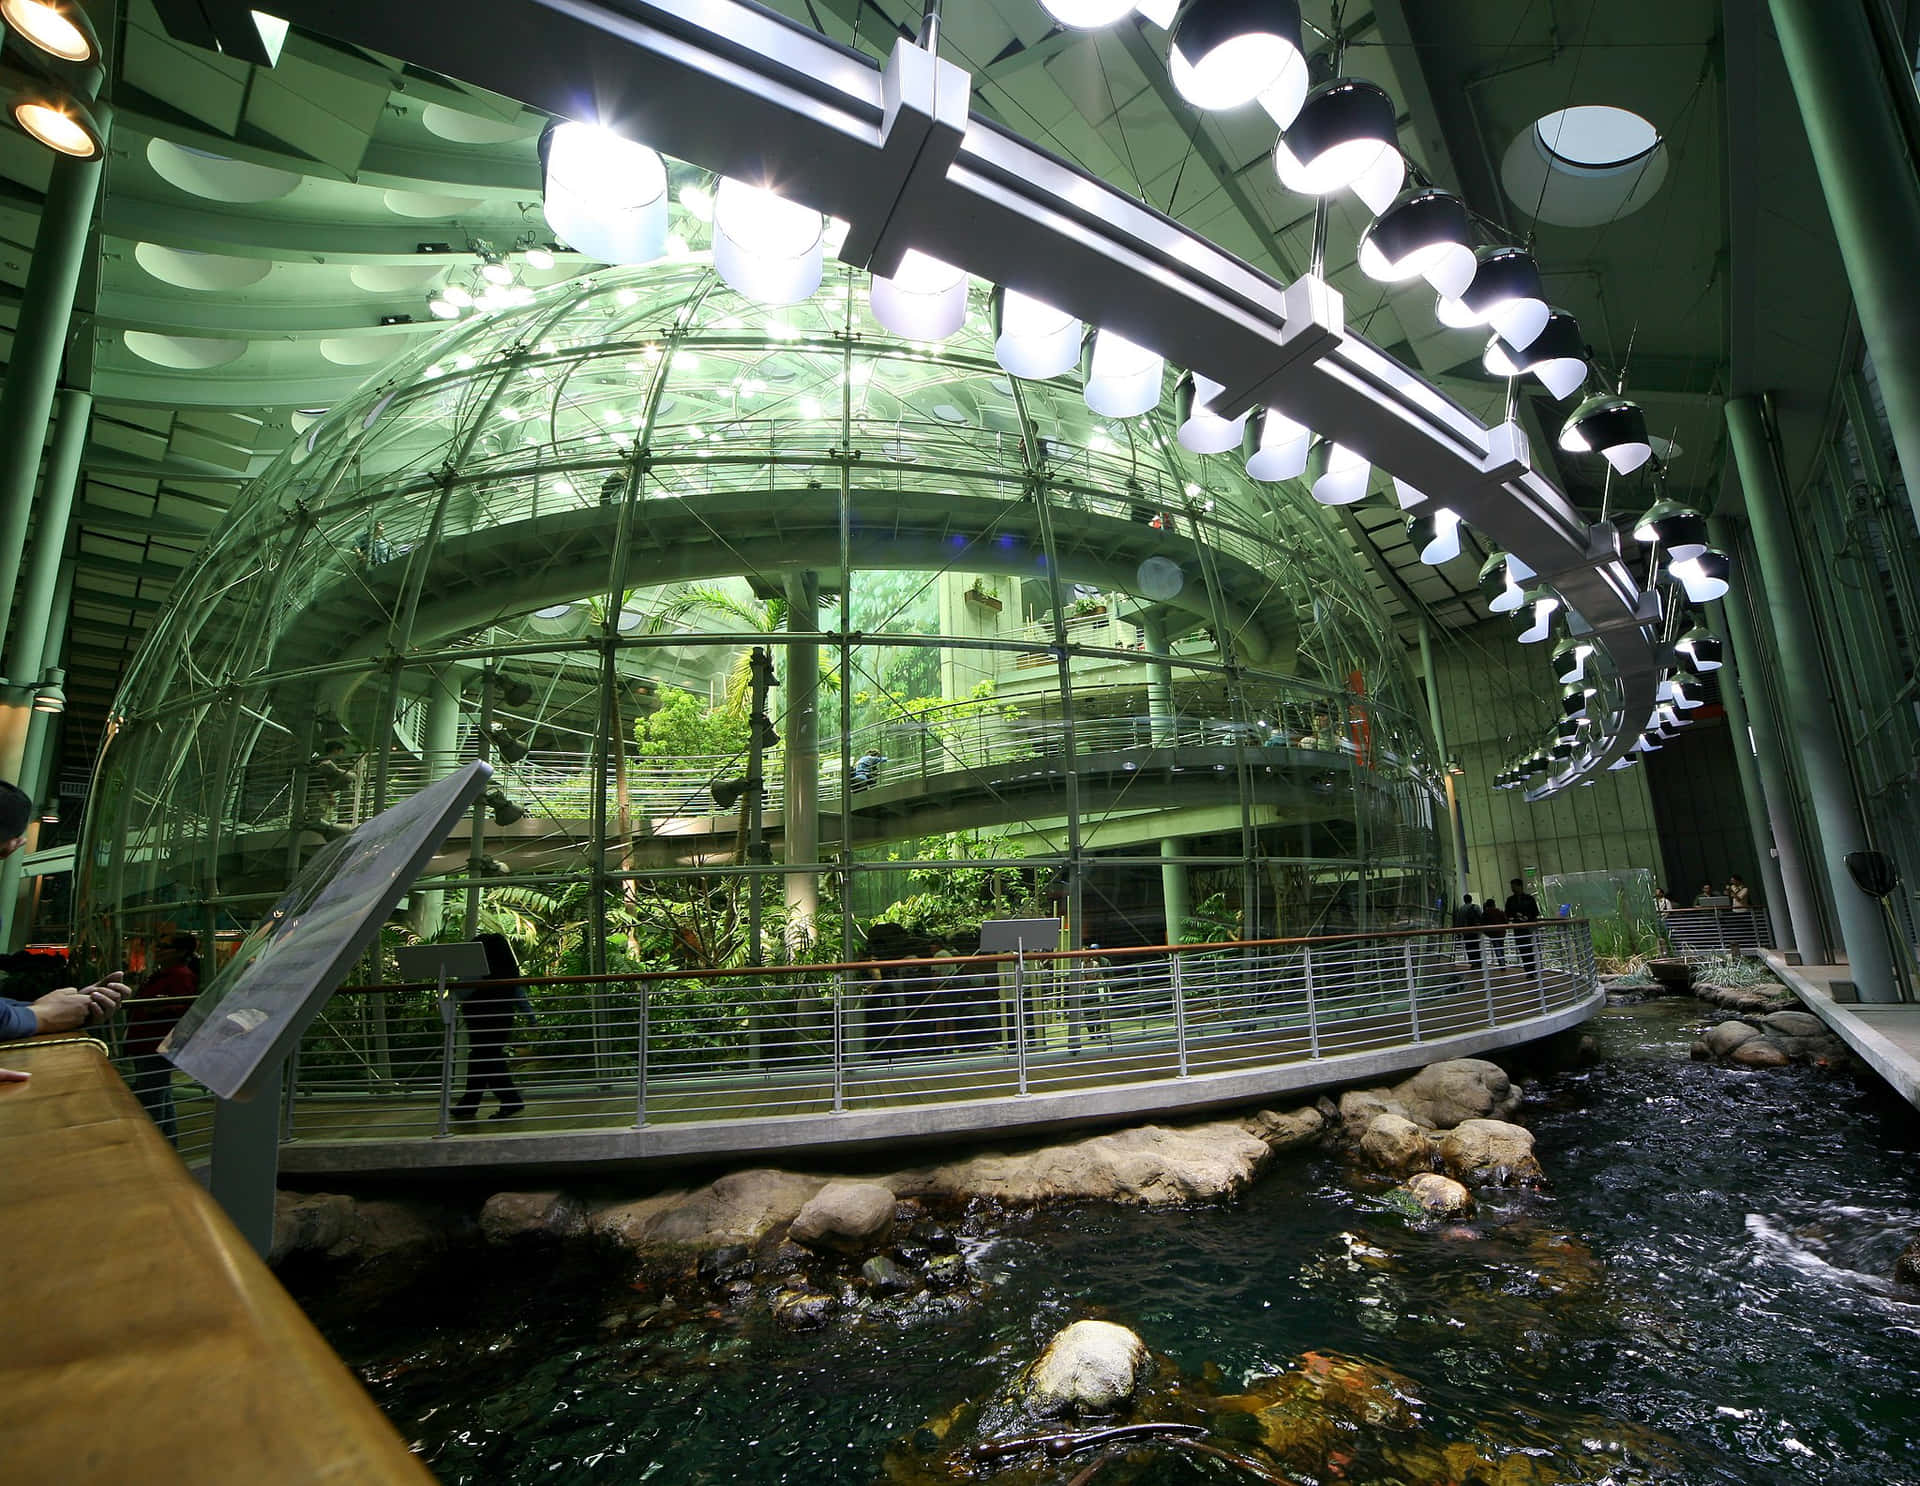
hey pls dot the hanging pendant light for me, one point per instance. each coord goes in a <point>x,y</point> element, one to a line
<point>1225,53</point>
<point>1435,534</point>
<point>926,300</point>
<point>1699,648</point>
<point>1276,447</point>
<point>1575,700</point>
<point>1425,233</point>
<point>768,248</point>
<point>1626,761</point>
<point>1500,578</point>
<point>1120,379</point>
<point>1031,339</point>
<point>1540,605</point>
<point>1680,530</point>
<point>1570,660</point>
<point>605,197</point>
<point>1557,356</point>
<point>1338,476</point>
<point>1610,426</point>
<point>1202,431</point>
<point>1345,138</point>
<point>1506,294</point>
<point>1704,577</point>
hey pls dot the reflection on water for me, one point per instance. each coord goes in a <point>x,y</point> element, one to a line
<point>1701,1297</point>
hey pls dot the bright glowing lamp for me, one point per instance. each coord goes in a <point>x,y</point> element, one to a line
<point>1338,475</point>
<point>1542,606</point>
<point>1700,648</point>
<point>1424,233</point>
<point>925,301</point>
<point>1084,15</point>
<point>1500,578</point>
<point>1612,427</point>
<point>1557,356</point>
<point>1032,339</point>
<point>539,259</point>
<point>60,30</point>
<point>1680,530</point>
<point>1122,380</point>
<point>495,269</point>
<point>605,197</point>
<point>1202,431</point>
<point>1226,53</point>
<point>60,123</point>
<point>441,307</point>
<point>1570,660</point>
<point>1435,534</point>
<point>1505,293</point>
<point>1276,447</point>
<point>1345,139</point>
<point>1575,700</point>
<point>768,248</point>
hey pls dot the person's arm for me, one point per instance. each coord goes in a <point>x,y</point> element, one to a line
<point>16,1020</point>
<point>67,1008</point>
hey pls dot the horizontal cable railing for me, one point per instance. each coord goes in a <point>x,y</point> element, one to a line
<point>1702,933</point>
<point>627,1051</point>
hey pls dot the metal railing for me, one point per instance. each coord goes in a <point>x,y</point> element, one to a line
<point>608,1053</point>
<point>1702,933</point>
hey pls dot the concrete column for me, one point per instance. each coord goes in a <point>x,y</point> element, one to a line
<point>1163,723</point>
<point>1807,698</point>
<point>39,341</point>
<point>27,640</point>
<point>35,772</point>
<point>800,813</point>
<point>1758,825</point>
<point>1872,196</point>
<point>440,752</point>
<point>1456,824</point>
<point>1797,922</point>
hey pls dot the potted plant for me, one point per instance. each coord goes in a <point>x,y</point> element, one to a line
<point>983,595</point>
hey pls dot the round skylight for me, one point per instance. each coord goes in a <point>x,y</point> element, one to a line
<point>1596,136</point>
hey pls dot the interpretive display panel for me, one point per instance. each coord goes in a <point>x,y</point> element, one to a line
<point>250,1016</point>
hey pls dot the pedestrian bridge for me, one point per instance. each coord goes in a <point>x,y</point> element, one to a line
<point>826,1059</point>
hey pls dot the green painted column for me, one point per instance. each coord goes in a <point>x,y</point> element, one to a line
<point>39,342</point>
<point>1456,822</point>
<point>1806,697</point>
<point>800,764</point>
<point>440,752</point>
<point>1176,891</point>
<point>1754,797</point>
<point>35,771</point>
<point>1872,196</point>
<point>27,639</point>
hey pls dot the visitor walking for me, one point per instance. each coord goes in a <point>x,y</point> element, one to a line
<point>1494,917</point>
<point>866,769</point>
<point>329,775</point>
<point>1524,908</point>
<point>1468,916</point>
<point>162,1001</point>
<point>488,1009</point>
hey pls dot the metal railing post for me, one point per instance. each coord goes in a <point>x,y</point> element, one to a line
<point>1540,966</point>
<point>446,1056</point>
<point>1413,988</point>
<point>1313,1015</point>
<point>840,1045</point>
<point>640,1059</point>
<point>1179,1011</point>
<point>288,1089</point>
<point>1486,982</point>
<point>1020,1017</point>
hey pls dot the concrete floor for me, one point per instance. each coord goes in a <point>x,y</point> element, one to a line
<point>1886,1036</point>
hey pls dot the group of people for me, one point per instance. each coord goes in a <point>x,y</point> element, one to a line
<point>1494,920</point>
<point>1736,893</point>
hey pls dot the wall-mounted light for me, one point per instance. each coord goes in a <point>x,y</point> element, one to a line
<point>1122,379</point>
<point>1225,53</point>
<point>605,196</point>
<point>1346,138</point>
<point>1203,431</point>
<point>925,301</point>
<point>61,123</point>
<point>1612,427</point>
<point>51,694</point>
<point>1276,447</point>
<point>1557,356</point>
<point>1425,233</point>
<point>768,248</point>
<point>1031,339</point>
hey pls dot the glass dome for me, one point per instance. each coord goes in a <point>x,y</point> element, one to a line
<point>1021,661</point>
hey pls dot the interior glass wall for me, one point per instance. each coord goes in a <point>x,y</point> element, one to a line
<point>1012,658</point>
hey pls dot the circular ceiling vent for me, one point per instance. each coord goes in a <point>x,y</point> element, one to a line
<point>1582,166</point>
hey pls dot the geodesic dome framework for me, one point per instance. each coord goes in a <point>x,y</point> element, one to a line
<point>1101,676</point>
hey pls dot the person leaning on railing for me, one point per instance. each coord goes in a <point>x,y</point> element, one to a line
<point>69,1007</point>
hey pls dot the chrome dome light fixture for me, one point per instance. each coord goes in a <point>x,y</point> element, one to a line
<point>61,123</point>
<point>1703,577</point>
<point>1570,660</point>
<point>924,300</point>
<point>1610,426</point>
<point>1435,534</point>
<point>1505,293</point>
<point>1345,138</point>
<point>1700,648</point>
<point>1557,356</point>
<point>1425,233</point>
<point>1203,431</point>
<point>1500,578</point>
<point>1576,701</point>
<point>604,196</point>
<point>1542,604</point>
<point>1276,447</point>
<point>1120,379</point>
<point>1226,53</point>
<point>768,248</point>
<point>59,30</point>
<point>1680,530</point>
<point>1338,475</point>
<point>1031,339</point>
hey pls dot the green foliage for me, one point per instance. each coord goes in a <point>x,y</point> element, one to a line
<point>1626,939</point>
<point>1733,970</point>
<point>682,727</point>
<point>950,900</point>
<point>1211,921</point>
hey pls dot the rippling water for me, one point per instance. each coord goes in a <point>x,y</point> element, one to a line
<point>1701,1297</point>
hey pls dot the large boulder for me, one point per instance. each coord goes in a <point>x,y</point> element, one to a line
<point>1284,1131</point>
<point>845,1218</point>
<point>308,1223</point>
<point>1396,1145</point>
<point>1151,1165</point>
<point>1441,1095</point>
<point>1794,1024</point>
<point>741,1207</point>
<point>1758,1053</point>
<point>508,1217</point>
<point>1359,1106</point>
<point>1092,1367</point>
<point>1439,1195</point>
<point>1723,1037</point>
<point>1490,1153</point>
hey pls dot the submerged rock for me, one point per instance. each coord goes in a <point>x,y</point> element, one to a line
<point>1722,1038</point>
<point>803,1310</point>
<point>946,1272</point>
<point>845,1218</point>
<point>1091,1367</point>
<point>1440,1196</point>
<point>884,1277</point>
<point>1759,1053</point>
<point>1396,1145</point>
<point>1490,1153</point>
